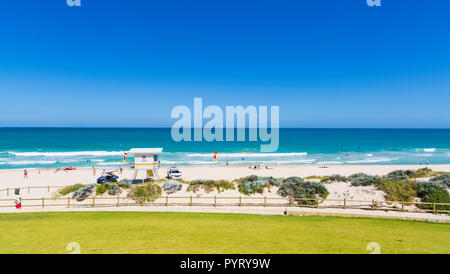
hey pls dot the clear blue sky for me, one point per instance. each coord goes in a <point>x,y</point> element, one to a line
<point>326,63</point>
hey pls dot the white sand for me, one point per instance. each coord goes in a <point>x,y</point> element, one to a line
<point>14,178</point>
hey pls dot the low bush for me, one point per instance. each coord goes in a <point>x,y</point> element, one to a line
<point>361,179</point>
<point>210,185</point>
<point>315,177</point>
<point>442,179</point>
<point>172,186</point>
<point>113,188</point>
<point>83,192</point>
<point>255,184</point>
<point>142,193</point>
<point>274,181</point>
<point>124,183</point>
<point>334,178</point>
<point>249,187</point>
<point>296,187</point>
<point>69,189</point>
<point>100,189</point>
<point>433,192</point>
<point>423,173</point>
<point>398,190</point>
<point>400,175</point>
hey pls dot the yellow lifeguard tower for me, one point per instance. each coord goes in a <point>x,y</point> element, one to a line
<point>146,159</point>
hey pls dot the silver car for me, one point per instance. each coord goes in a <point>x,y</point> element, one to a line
<point>174,173</point>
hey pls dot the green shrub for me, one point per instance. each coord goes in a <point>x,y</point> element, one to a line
<point>255,184</point>
<point>273,181</point>
<point>400,175</point>
<point>148,192</point>
<point>334,178</point>
<point>100,189</point>
<point>398,190</point>
<point>442,179</point>
<point>210,185</point>
<point>83,192</point>
<point>171,186</point>
<point>69,189</point>
<point>433,192</point>
<point>248,178</point>
<point>251,187</point>
<point>295,187</point>
<point>124,183</point>
<point>315,177</point>
<point>361,179</point>
<point>423,173</point>
<point>113,188</point>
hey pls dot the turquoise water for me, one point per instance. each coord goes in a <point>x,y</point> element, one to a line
<point>60,147</point>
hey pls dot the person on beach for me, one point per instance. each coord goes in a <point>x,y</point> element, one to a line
<point>428,162</point>
<point>25,174</point>
<point>93,169</point>
<point>120,169</point>
<point>18,202</point>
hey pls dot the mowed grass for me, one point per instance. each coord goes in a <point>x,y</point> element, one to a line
<point>142,232</point>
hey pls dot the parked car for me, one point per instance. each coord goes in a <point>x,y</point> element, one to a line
<point>107,177</point>
<point>174,173</point>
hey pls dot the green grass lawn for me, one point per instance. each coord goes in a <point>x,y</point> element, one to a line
<point>142,232</point>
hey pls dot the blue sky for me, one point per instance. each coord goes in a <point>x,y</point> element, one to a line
<point>326,63</point>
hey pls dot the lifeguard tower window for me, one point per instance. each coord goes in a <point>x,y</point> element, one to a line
<point>155,157</point>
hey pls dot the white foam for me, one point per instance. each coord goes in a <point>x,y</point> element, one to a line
<point>330,163</point>
<point>371,160</point>
<point>248,154</point>
<point>111,163</point>
<point>27,162</point>
<point>238,162</point>
<point>426,149</point>
<point>67,154</point>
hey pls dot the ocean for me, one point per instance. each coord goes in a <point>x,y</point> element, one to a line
<point>84,147</point>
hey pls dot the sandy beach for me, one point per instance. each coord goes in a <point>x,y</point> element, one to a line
<point>44,177</point>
